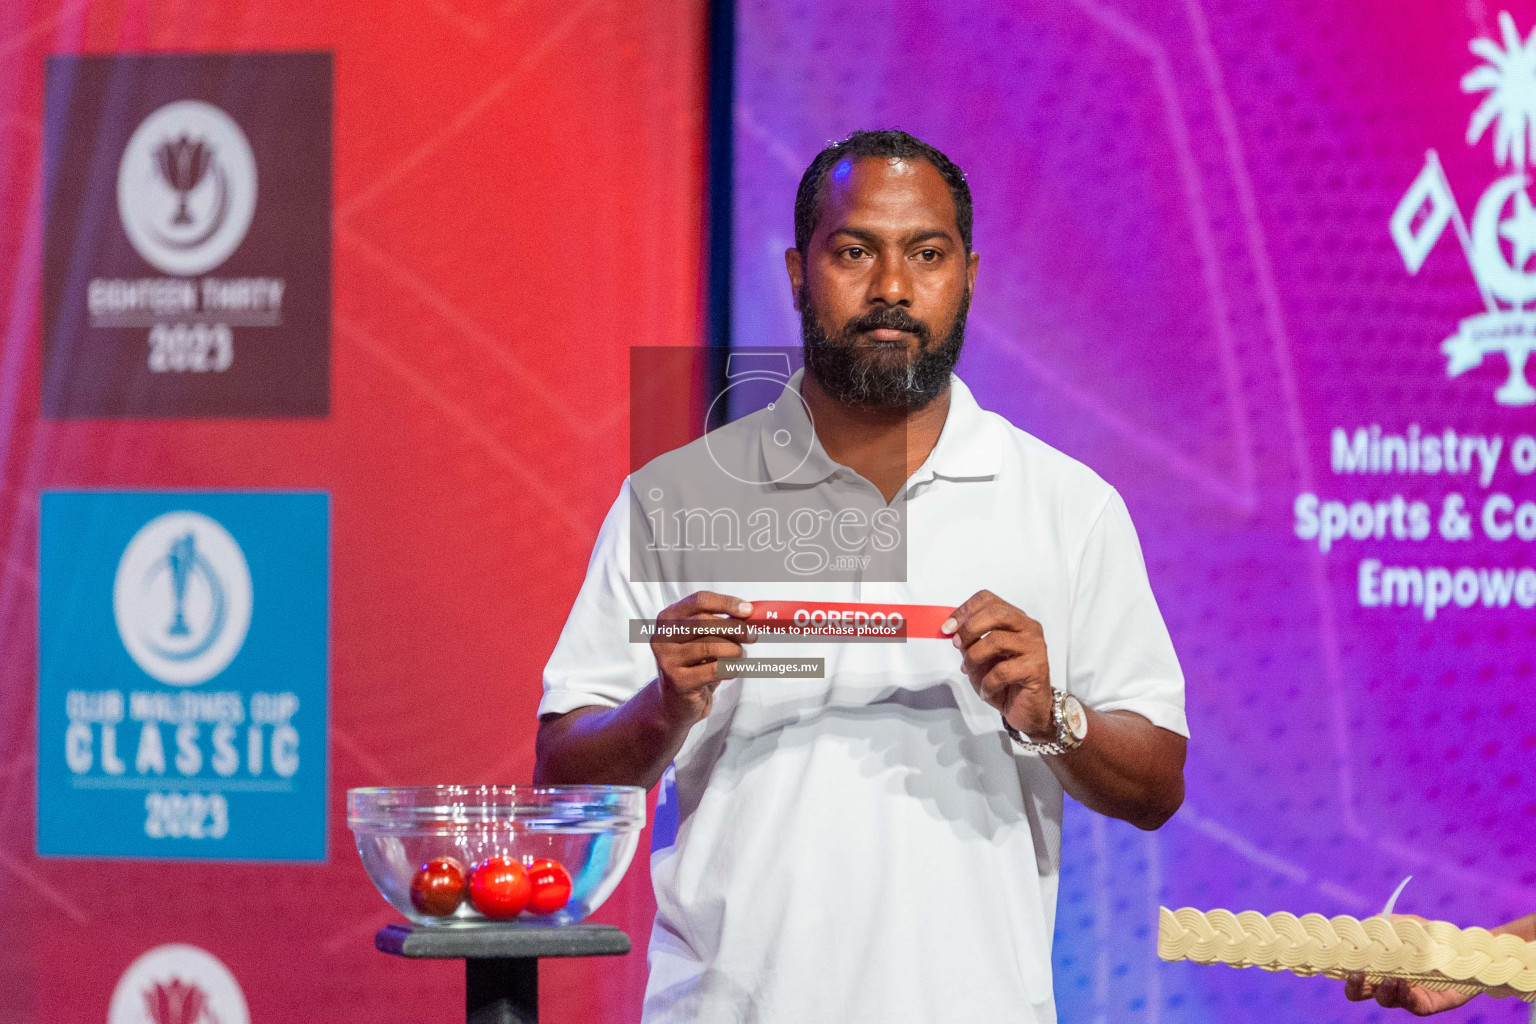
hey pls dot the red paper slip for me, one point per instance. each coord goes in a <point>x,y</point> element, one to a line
<point>852,618</point>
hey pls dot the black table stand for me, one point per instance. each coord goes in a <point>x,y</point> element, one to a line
<point>501,961</point>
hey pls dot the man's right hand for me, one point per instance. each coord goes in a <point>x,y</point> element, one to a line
<point>686,663</point>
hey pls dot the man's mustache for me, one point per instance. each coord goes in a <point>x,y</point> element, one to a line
<point>890,318</point>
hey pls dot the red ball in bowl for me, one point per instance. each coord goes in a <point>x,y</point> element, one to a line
<point>437,887</point>
<point>551,886</point>
<point>499,887</point>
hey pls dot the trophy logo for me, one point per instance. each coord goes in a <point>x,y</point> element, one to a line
<point>182,598</point>
<point>182,559</point>
<point>178,984</point>
<point>1501,239</point>
<point>178,1003</point>
<point>183,164</point>
<point>186,187</point>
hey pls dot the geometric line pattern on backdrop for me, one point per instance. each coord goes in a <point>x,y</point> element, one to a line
<point>1245,499</point>
<point>1274,319</point>
<point>456,415</point>
<point>458,318</point>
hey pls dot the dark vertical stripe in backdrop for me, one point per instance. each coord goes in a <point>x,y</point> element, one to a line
<point>720,173</point>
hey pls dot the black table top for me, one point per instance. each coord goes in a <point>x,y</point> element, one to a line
<point>511,940</point>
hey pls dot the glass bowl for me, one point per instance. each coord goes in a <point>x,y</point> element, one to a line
<point>592,831</point>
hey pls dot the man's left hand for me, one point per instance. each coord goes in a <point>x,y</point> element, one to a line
<point>1004,658</point>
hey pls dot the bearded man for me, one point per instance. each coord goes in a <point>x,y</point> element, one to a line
<point>880,844</point>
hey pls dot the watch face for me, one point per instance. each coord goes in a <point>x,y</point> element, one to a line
<point>1076,718</point>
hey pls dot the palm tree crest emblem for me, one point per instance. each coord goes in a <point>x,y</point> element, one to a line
<point>1500,240</point>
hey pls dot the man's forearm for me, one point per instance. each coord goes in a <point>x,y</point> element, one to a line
<point>1127,768</point>
<point>630,745</point>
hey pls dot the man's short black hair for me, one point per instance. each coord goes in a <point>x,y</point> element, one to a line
<point>889,142</point>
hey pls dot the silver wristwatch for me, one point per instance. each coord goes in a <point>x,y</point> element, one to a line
<point>1071,722</point>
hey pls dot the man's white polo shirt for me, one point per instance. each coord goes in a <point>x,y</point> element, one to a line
<point>870,846</point>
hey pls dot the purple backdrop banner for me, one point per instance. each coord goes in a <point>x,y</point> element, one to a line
<point>1265,267</point>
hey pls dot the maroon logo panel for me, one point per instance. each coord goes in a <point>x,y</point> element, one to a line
<point>187,247</point>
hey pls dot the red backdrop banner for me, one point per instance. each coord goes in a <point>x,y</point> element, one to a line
<point>518,193</point>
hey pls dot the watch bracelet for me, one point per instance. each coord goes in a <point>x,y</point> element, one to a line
<point>1051,748</point>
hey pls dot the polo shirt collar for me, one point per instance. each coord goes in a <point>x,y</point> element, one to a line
<point>969,447</point>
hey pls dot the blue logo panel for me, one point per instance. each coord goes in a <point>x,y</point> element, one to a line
<point>183,681</point>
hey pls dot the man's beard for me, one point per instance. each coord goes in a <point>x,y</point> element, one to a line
<point>864,374</point>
